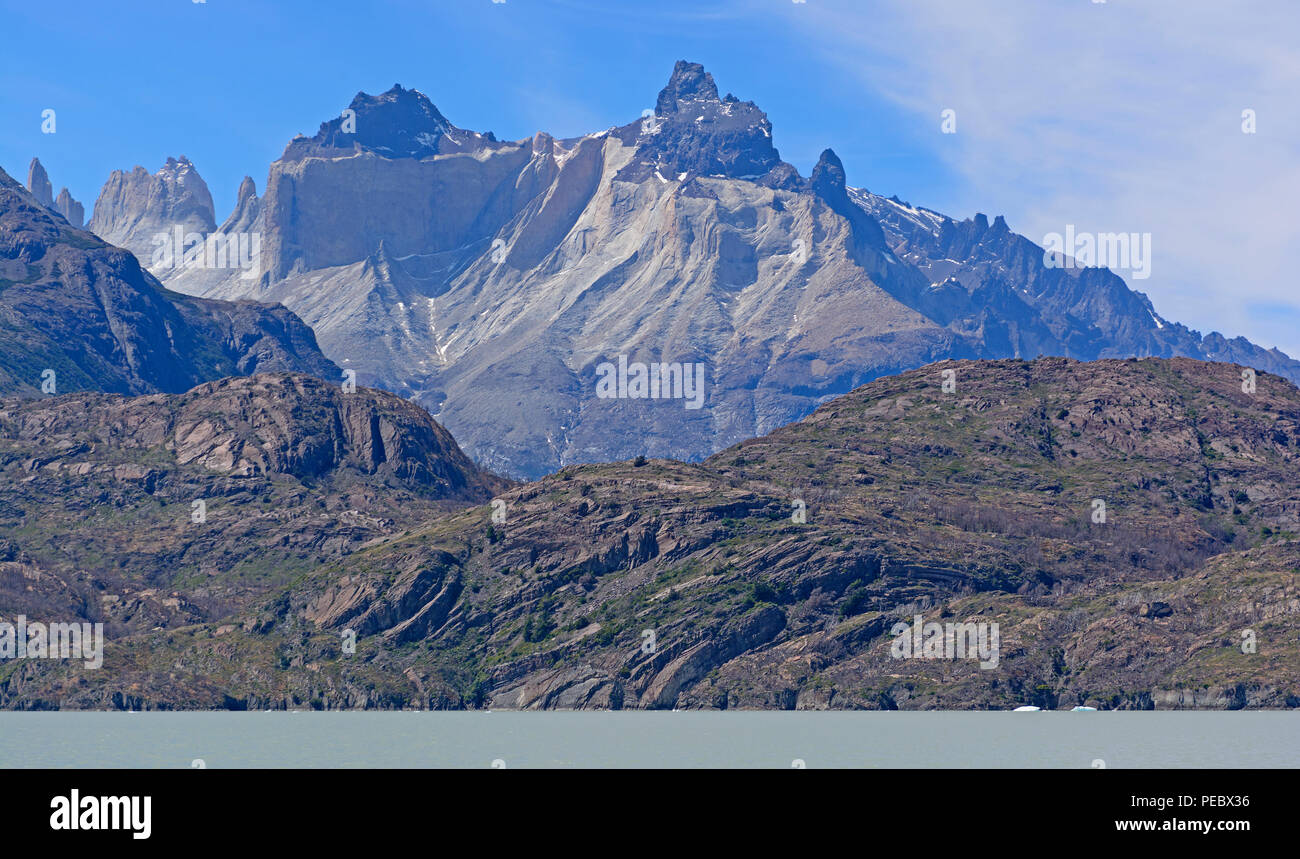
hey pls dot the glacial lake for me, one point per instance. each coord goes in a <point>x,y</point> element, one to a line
<point>650,739</point>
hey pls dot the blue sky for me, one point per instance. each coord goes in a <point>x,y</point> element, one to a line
<point>1117,116</point>
<point>229,83</point>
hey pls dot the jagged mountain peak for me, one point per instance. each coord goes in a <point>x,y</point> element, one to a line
<point>38,182</point>
<point>689,83</point>
<point>693,132</point>
<point>828,176</point>
<point>244,216</point>
<point>398,123</point>
<point>830,184</point>
<point>247,189</point>
<point>177,166</point>
<point>134,208</point>
<point>69,208</point>
<point>8,183</point>
<point>684,220</point>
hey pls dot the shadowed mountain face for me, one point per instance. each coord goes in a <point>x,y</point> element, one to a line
<point>400,123</point>
<point>491,280</point>
<point>78,314</point>
<point>1124,523</point>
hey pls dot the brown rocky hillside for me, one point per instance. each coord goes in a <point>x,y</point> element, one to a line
<point>975,505</point>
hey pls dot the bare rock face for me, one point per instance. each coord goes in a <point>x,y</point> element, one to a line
<point>38,182</point>
<point>276,423</point>
<point>135,208</point>
<point>248,209</point>
<point>388,178</point>
<point>70,209</point>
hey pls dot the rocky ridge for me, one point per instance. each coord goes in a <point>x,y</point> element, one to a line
<point>774,574</point>
<point>172,509</point>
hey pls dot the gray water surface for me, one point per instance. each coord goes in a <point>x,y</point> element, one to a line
<point>651,739</point>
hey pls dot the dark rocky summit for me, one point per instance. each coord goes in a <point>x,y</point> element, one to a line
<point>693,131</point>
<point>400,123</point>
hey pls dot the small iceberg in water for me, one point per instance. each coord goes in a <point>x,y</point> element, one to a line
<point>1028,708</point>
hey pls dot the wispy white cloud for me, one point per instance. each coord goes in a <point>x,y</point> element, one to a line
<point>1115,116</point>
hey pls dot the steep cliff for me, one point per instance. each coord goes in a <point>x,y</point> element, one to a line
<point>135,208</point>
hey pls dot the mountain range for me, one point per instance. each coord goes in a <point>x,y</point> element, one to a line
<point>900,416</point>
<point>490,280</point>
